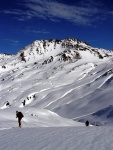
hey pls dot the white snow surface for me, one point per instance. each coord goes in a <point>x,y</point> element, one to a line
<point>58,138</point>
<point>64,83</point>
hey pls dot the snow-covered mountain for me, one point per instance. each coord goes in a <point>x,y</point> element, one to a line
<point>61,81</point>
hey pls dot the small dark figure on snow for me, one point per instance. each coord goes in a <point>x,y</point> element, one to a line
<point>19,115</point>
<point>7,103</point>
<point>87,123</point>
<point>24,102</point>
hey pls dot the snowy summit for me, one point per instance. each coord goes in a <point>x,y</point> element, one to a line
<point>56,83</point>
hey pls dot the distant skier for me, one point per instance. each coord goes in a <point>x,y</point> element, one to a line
<point>19,115</point>
<point>87,123</point>
<point>7,103</point>
<point>24,102</point>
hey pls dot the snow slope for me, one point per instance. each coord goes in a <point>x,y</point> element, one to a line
<point>63,83</point>
<point>67,77</point>
<point>59,138</point>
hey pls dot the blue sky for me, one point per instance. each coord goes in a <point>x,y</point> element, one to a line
<point>24,21</point>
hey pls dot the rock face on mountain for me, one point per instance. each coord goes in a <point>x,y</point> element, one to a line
<point>68,77</point>
<point>46,51</point>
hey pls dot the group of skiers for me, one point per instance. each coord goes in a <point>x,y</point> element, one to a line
<point>20,115</point>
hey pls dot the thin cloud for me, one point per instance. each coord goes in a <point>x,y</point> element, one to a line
<point>85,13</point>
<point>14,12</point>
<point>91,3</point>
<point>37,32</point>
<point>51,10</point>
<point>11,40</point>
<point>111,12</point>
<point>19,14</point>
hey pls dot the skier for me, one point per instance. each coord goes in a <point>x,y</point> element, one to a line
<point>19,115</point>
<point>7,103</point>
<point>87,123</point>
<point>24,102</point>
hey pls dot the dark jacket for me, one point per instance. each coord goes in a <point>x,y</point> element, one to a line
<point>19,115</point>
<point>87,123</point>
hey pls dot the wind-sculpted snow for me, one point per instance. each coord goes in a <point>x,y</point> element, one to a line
<point>65,138</point>
<point>66,77</point>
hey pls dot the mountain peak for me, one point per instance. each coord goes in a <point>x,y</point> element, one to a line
<point>55,50</point>
<point>68,77</point>
<point>67,49</point>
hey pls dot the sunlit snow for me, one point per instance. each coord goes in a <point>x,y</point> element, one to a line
<point>63,83</point>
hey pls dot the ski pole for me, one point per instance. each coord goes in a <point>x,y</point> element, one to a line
<point>24,123</point>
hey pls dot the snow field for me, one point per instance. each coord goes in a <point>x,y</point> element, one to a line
<point>61,84</point>
<point>57,138</point>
